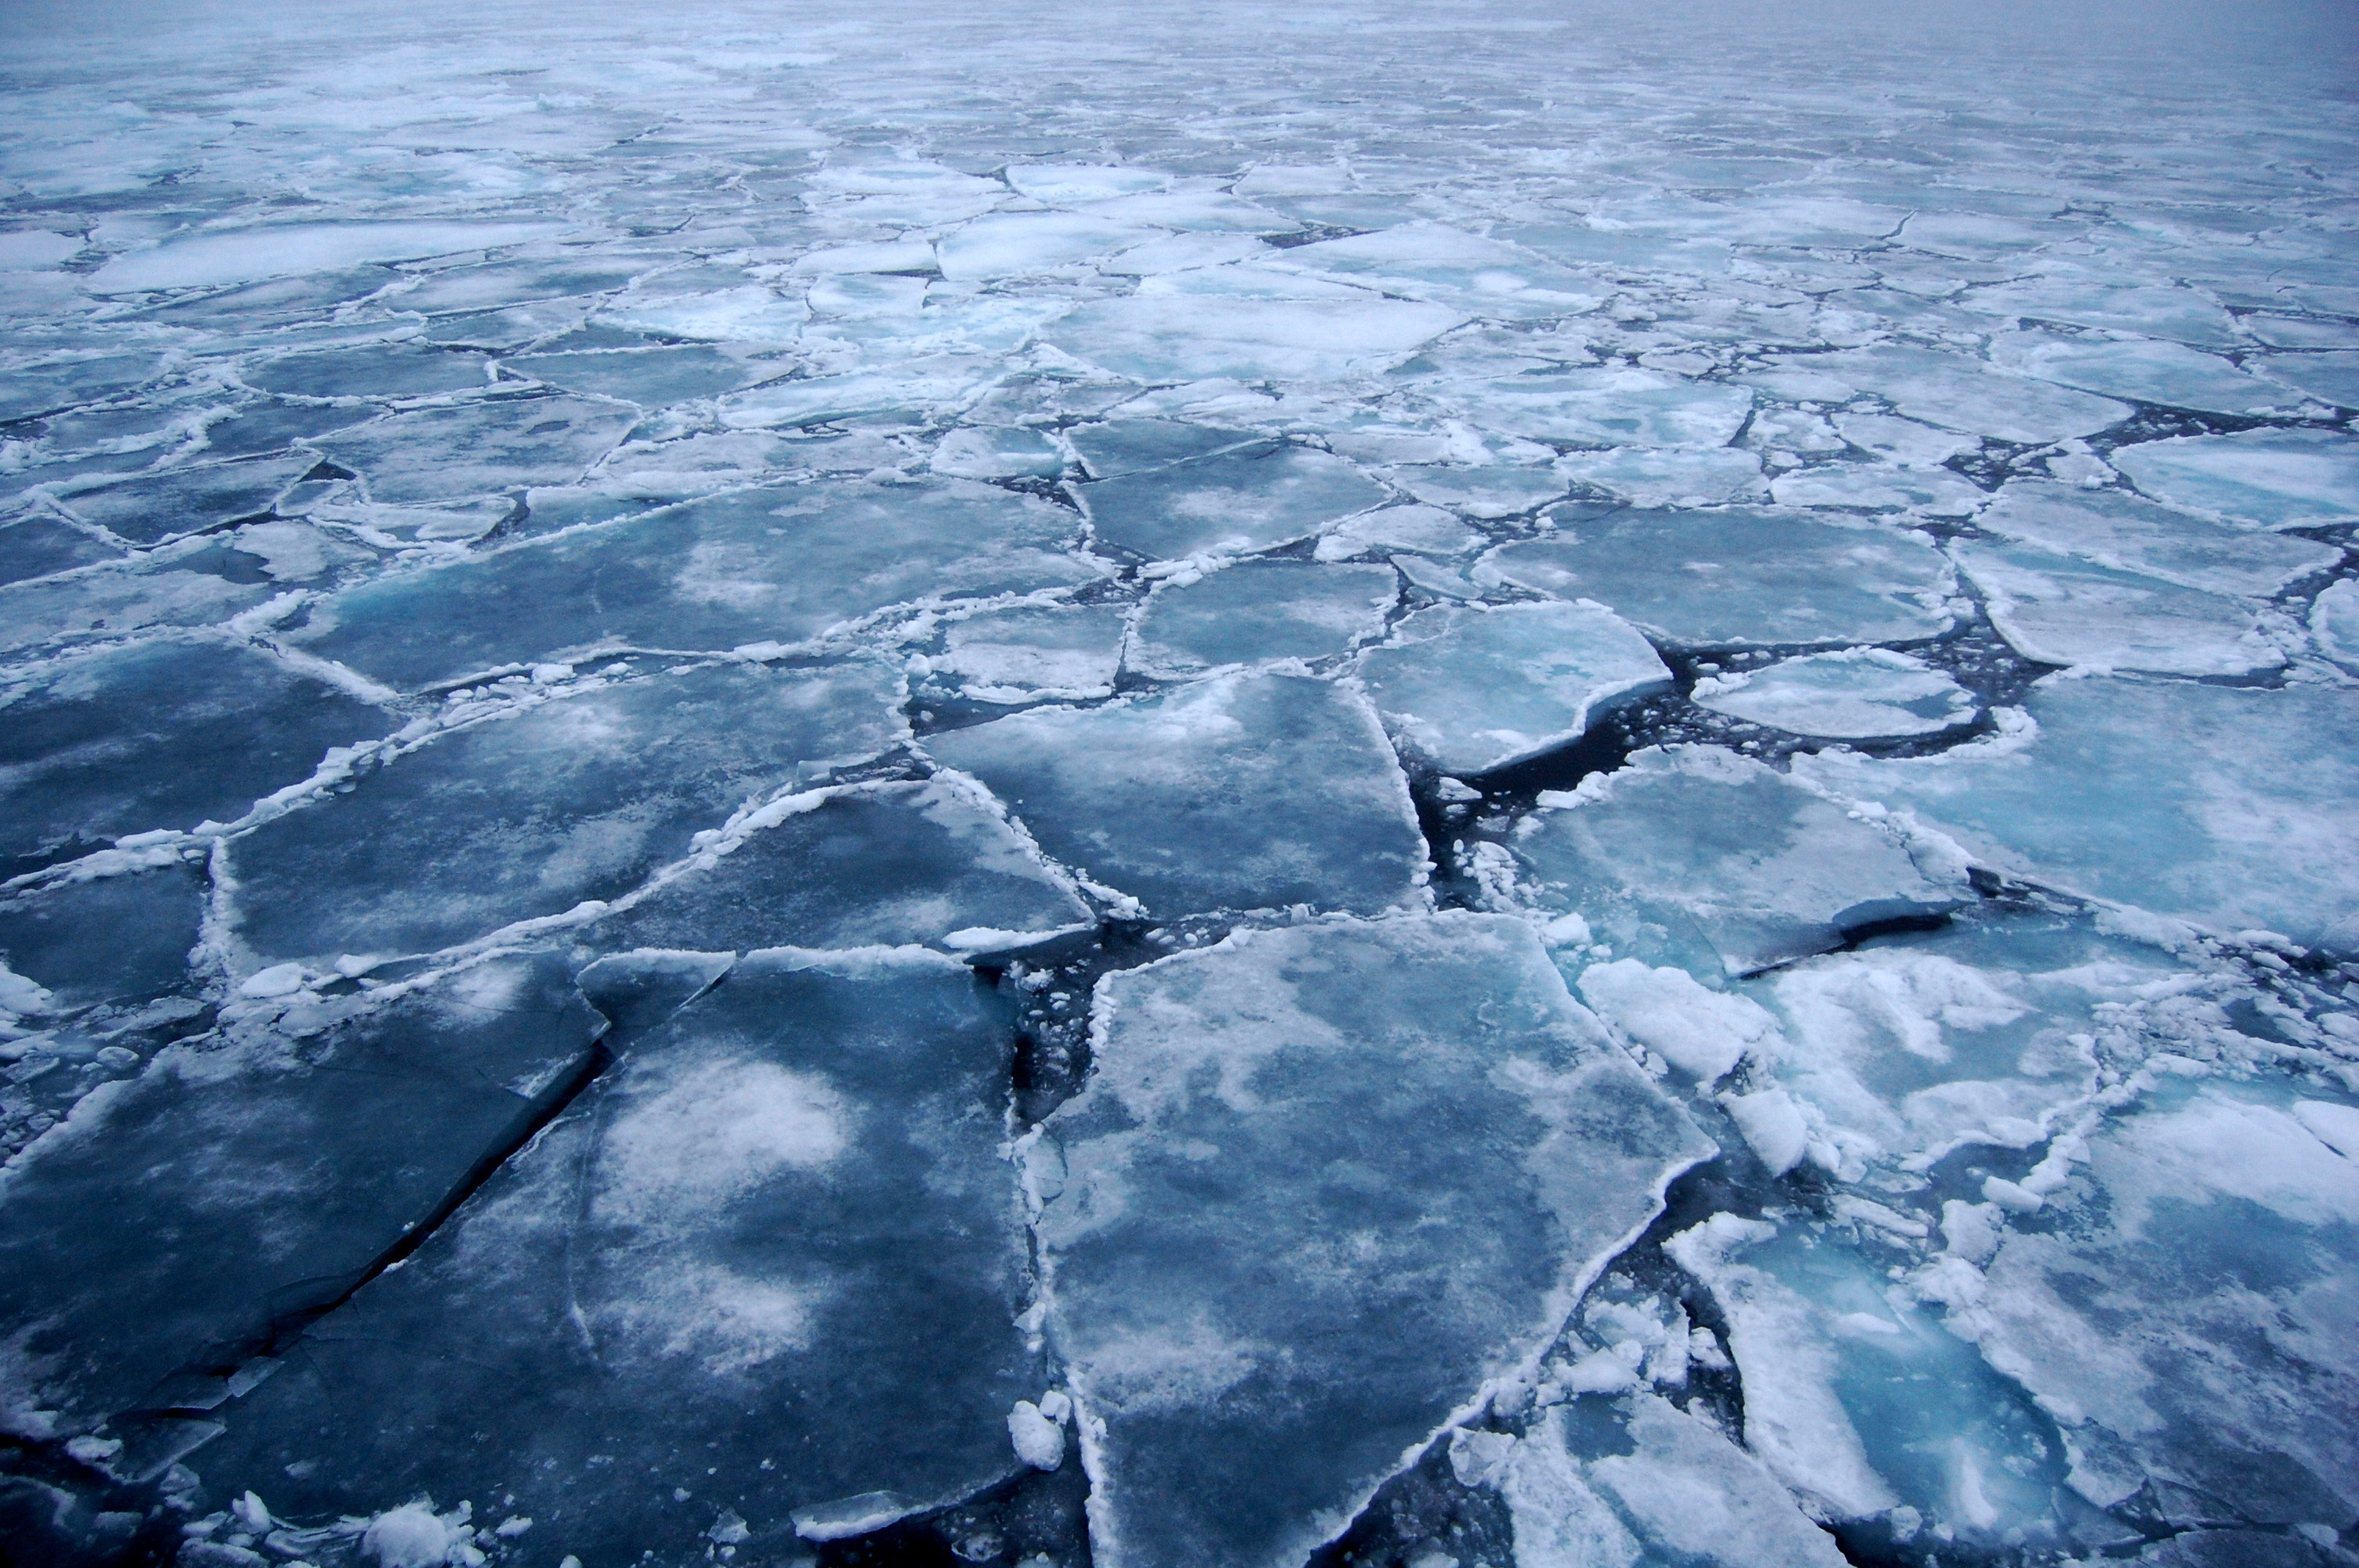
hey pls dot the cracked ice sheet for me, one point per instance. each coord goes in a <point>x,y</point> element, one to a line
<point>1244,1127</point>
<point>788,1196</point>
<point>770,566</point>
<point>2247,787</point>
<point>1143,795</point>
<point>1720,863</point>
<point>1471,691</point>
<point>302,1146</point>
<point>527,813</point>
<point>1738,575</point>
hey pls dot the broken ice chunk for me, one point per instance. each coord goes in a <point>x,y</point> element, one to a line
<point>2169,373</point>
<point>2270,478</point>
<point>118,939</point>
<point>1961,394</point>
<point>2334,623</point>
<point>1228,505</point>
<point>280,250</point>
<point>1035,650</point>
<point>40,545</point>
<point>434,454</point>
<point>780,564</point>
<point>529,813</point>
<point>652,378</point>
<point>788,1197</point>
<point>1702,1032</point>
<point>1493,492</point>
<point>1472,690</point>
<point>1736,863</point>
<point>1008,244</point>
<point>1901,440</point>
<point>164,735</point>
<point>1323,1182</point>
<point>188,500</point>
<point>1426,529</point>
<point>2183,1317</point>
<point>1669,478</point>
<point>1602,408</point>
<point>373,369</point>
<point>301,1160</point>
<point>1856,693</point>
<point>1247,322</point>
<point>1433,262</point>
<point>2329,377</point>
<point>1739,576</point>
<point>1259,610</point>
<point>2246,788</point>
<point>2117,529</point>
<point>1676,1485</point>
<point>2059,611</point>
<point>1245,792</point>
<point>880,864</point>
<point>115,602</point>
<point>1879,488</point>
<point>974,452</point>
<point>1131,446</point>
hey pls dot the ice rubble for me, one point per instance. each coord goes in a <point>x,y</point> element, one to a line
<point>1244,1127</point>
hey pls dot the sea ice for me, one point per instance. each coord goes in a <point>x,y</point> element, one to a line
<point>1739,576</point>
<point>771,565</point>
<point>788,1198</point>
<point>2169,373</point>
<point>1030,651</point>
<point>527,813</point>
<point>304,1153</point>
<point>1428,530</point>
<point>2116,529</point>
<point>1853,694</point>
<point>1730,864</point>
<point>1144,794</point>
<point>1474,689</point>
<point>506,444</point>
<point>859,865</point>
<point>2195,1381</point>
<point>2059,611</point>
<point>2246,787</point>
<point>1231,503</point>
<point>1256,611</point>
<point>1961,394</point>
<point>188,500</point>
<point>2269,479</point>
<point>164,735</point>
<point>1259,1244</point>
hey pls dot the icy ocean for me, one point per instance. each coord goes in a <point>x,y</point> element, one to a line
<point>1505,786</point>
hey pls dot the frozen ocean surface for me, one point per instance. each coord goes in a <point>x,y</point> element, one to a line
<point>1363,785</point>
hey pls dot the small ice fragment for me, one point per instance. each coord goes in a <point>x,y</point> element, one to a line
<point>1056,1405</point>
<point>1772,1123</point>
<point>729,1529</point>
<point>2007,1195</point>
<point>2336,1126</point>
<point>1600,1372</point>
<point>1039,1441</point>
<point>279,979</point>
<point>407,1537</point>
<point>849,1516</point>
<point>1479,1458</point>
<point>1702,1032</point>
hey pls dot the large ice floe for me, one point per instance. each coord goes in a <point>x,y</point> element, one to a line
<point>1549,787</point>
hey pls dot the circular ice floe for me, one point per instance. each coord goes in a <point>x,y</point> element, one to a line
<point>1852,694</point>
